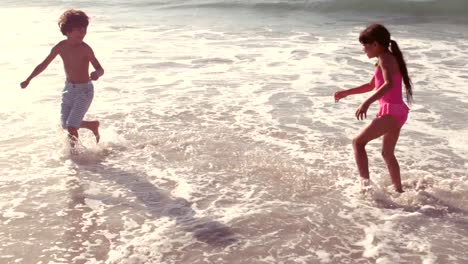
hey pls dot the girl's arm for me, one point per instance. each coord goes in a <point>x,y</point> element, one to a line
<point>42,66</point>
<point>388,69</point>
<point>367,87</point>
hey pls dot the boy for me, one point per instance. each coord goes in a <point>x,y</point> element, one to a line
<point>76,56</point>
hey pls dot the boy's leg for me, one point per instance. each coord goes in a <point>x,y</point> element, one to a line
<point>81,104</point>
<point>66,106</point>
<point>388,153</point>
<point>72,135</point>
<point>93,126</point>
<point>375,129</point>
<point>65,111</point>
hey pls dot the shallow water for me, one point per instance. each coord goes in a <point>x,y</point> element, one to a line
<point>221,141</point>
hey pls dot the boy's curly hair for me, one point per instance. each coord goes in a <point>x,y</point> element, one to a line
<point>71,19</point>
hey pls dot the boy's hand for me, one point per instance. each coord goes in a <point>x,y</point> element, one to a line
<point>24,84</point>
<point>94,76</point>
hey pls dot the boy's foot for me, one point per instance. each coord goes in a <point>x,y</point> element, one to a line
<point>73,141</point>
<point>94,126</point>
<point>74,151</point>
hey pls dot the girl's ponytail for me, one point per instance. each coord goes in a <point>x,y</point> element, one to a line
<point>404,71</point>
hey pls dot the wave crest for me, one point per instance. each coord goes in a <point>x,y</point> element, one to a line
<point>415,7</point>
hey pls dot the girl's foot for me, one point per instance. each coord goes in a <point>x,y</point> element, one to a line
<point>365,185</point>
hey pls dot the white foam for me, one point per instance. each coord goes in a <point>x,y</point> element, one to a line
<point>323,256</point>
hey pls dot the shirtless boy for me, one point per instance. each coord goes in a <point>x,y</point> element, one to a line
<point>76,56</point>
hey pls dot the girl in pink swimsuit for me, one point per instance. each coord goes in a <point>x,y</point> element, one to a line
<point>389,74</point>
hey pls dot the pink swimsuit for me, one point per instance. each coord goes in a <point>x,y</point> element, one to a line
<point>391,103</point>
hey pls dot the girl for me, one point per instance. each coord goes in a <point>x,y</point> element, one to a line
<point>393,112</point>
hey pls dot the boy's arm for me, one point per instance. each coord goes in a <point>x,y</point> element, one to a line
<point>99,71</point>
<point>42,66</point>
<point>367,87</point>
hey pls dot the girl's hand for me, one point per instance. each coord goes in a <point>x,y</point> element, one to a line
<point>339,95</point>
<point>361,111</point>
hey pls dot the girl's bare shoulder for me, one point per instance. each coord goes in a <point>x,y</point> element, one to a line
<point>388,61</point>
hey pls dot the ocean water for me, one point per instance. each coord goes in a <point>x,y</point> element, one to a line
<point>221,141</point>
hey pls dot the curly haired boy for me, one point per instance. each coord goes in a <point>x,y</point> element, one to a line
<point>76,56</point>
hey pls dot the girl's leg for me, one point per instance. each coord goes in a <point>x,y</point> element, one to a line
<point>375,129</point>
<point>388,153</point>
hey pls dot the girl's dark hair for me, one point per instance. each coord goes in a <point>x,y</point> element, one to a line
<point>72,19</point>
<point>378,33</point>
